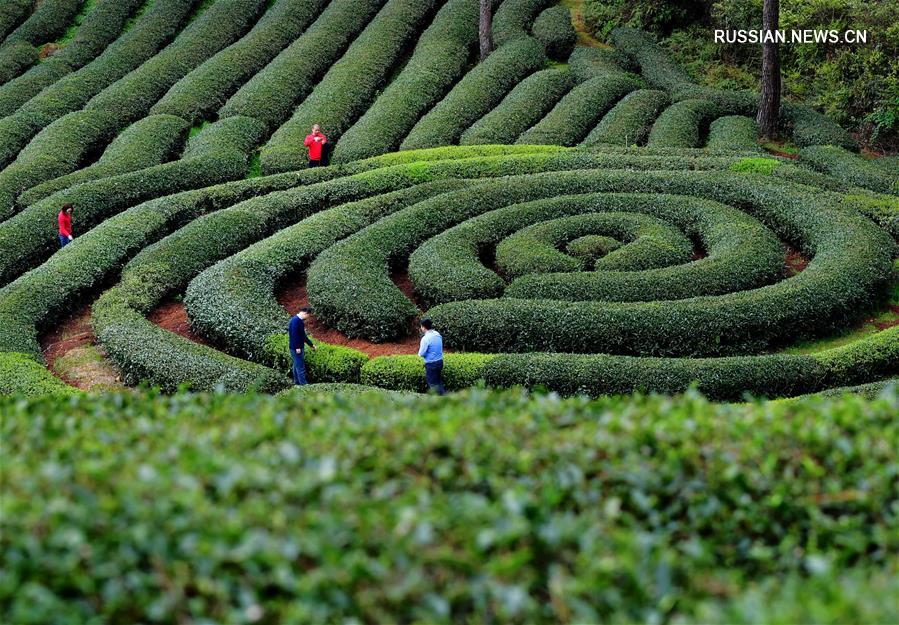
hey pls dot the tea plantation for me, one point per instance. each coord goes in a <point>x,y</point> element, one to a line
<point>577,220</point>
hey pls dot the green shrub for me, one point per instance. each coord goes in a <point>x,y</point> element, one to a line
<point>883,210</point>
<point>150,141</point>
<point>629,121</point>
<point>689,512</point>
<point>326,363</point>
<point>274,92</point>
<point>553,28</point>
<point>13,13</point>
<point>524,107</point>
<point>407,373</point>
<point>350,86</point>
<point>204,90</point>
<point>15,58</point>
<point>22,375</point>
<point>102,25</point>
<point>586,62</point>
<point>684,124</point>
<point>476,94</point>
<point>513,18</point>
<point>756,165</point>
<point>733,132</point>
<point>48,21</point>
<point>850,168</point>
<point>579,110</point>
<point>343,390</point>
<point>440,58</point>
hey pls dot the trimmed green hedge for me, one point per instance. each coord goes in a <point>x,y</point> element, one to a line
<point>684,124</point>
<point>586,62</point>
<point>728,378</point>
<point>851,266</point>
<point>461,509</point>
<point>15,58</point>
<point>407,373</point>
<point>49,20</point>
<point>273,93</point>
<point>152,31</point>
<point>553,28</point>
<point>850,168</point>
<point>233,302</point>
<point>101,26</point>
<point>350,86</point>
<point>204,90</point>
<point>216,154</point>
<point>440,57</point>
<point>882,209</point>
<point>629,122</point>
<point>513,18</point>
<point>22,375</point>
<point>579,110</point>
<point>325,364</point>
<point>13,13</point>
<point>734,132</point>
<point>150,141</point>
<point>483,88</point>
<point>524,107</point>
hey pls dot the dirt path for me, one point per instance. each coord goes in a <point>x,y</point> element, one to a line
<point>172,316</point>
<point>292,296</point>
<point>794,261</point>
<point>584,37</point>
<point>72,354</point>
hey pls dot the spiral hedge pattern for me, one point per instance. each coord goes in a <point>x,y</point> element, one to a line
<point>604,226</point>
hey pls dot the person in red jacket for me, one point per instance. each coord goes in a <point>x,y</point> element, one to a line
<point>315,141</point>
<point>65,225</point>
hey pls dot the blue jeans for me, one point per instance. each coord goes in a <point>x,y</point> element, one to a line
<point>434,376</point>
<point>63,241</point>
<point>299,368</point>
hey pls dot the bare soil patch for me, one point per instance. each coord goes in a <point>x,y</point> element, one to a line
<point>172,316</point>
<point>73,355</point>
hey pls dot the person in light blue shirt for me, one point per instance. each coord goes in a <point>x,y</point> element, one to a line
<point>431,349</point>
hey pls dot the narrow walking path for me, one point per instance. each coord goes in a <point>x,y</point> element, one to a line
<point>72,354</point>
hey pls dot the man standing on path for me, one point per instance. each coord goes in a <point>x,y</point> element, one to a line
<point>297,340</point>
<point>431,349</point>
<point>315,141</point>
<point>65,225</point>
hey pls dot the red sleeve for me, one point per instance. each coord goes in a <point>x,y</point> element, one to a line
<point>324,139</point>
<point>65,225</point>
<point>309,141</point>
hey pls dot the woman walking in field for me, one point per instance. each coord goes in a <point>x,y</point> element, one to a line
<point>65,225</point>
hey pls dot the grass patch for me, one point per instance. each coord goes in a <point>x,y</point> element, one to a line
<point>72,30</point>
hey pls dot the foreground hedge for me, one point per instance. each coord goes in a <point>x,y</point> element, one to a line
<point>466,509</point>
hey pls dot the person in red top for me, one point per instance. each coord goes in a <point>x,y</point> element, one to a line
<point>315,141</point>
<point>65,225</point>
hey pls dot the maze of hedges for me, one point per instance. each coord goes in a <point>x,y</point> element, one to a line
<point>586,220</point>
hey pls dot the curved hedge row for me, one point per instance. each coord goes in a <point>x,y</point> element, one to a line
<point>204,90</point>
<point>553,28</point>
<point>850,168</point>
<point>150,141</point>
<point>13,13</point>
<point>49,20</point>
<point>578,111</point>
<point>476,94</point>
<point>350,86</point>
<point>127,100</point>
<point>684,124</point>
<point>153,30</point>
<point>629,121</point>
<point>881,209</point>
<point>273,93</point>
<point>734,132</point>
<point>852,263</point>
<point>22,375</point>
<point>216,154</point>
<point>586,63</point>
<point>100,28</point>
<point>439,59</point>
<point>742,254</point>
<point>15,58</point>
<point>233,302</point>
<point>526,104</point>
<point>512,19</point>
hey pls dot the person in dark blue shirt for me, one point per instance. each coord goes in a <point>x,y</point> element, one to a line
<point>297,340</point>
<point>431,350</point>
